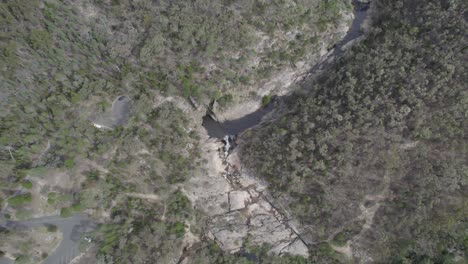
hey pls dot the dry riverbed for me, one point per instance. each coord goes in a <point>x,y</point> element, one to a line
<point>238,207</point>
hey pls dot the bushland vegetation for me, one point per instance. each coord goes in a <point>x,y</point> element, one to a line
<point>64,61</point>
<point>385,125</point>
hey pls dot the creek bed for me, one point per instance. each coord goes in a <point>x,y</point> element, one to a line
<point>236,127</point>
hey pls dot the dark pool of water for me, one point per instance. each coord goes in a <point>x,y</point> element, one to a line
<point>236,127</point>
<point>354,31</point>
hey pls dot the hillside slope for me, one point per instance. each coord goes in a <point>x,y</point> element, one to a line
<point>371,156</point>
<point>99,116</point>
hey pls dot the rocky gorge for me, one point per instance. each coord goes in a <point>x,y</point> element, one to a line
<point>240,210</point>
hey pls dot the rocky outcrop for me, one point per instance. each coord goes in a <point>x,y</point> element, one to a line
<point>238,207</point>
<point>239,210</point>
<point>282,81</point>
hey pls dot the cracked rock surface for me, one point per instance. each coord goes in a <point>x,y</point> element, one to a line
<point>238,207</point>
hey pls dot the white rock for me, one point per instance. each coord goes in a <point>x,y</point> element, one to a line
<point>239,199</point>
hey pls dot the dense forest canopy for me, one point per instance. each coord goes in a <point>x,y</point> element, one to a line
<point>369,158</point>
<point>63,63</point>
<point>382,132</point>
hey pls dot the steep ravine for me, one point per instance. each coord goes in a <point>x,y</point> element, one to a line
<point>237,205</point>
<point>240,117</point>
<point>282,79</point>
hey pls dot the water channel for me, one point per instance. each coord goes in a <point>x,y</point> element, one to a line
<point>236,127</point>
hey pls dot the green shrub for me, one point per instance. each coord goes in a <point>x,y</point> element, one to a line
<point>51,198</point>
<point>77,207</point>
<point>266,100</point>
<point>66,212</point>
<point>38,171</point>
<point>23,214</point>
<point>179,205</point>
<point>22,259</point>
<point>20,199</point>
<point>224,100</point>
<point>339,240</point>
<point>40,39</point>
<point>51,228</point>
<point>69,163</point>
<point>27,184</point>
<point>92,175</point>
<point>177,229</point>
